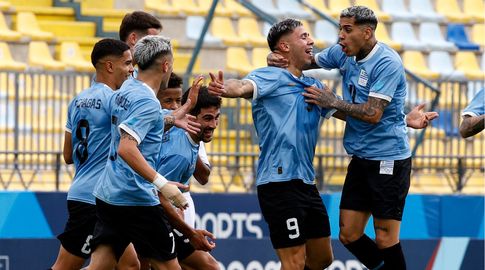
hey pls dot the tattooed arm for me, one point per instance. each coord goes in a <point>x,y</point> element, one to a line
<point>471,125</point>
<point>370,112</point>
<point>231,88</point>
<point>129,152</point>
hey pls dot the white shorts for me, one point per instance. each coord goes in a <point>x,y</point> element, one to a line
<point>189,213</point>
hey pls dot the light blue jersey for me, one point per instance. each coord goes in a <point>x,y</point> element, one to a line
<point>136,110</point>
<point>178,156</point>
<point>380,74</point>
<point>476,106</point>
<point>286,125</point>
<point>88,121</point>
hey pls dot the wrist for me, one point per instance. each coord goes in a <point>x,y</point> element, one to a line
<point>159,181</point>
<point>170,120</point>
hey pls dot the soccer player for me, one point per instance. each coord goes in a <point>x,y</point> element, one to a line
<point>473,116</point>
<point>178,158</point>
<point>86,145</point>
<point>127,203</point>
<point>287,128</point>
<point>171,99</point>
<point>378,177</point>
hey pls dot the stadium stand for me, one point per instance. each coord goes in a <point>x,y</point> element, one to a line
<point>236,43</point>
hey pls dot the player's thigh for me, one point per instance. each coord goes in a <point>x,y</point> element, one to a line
<point>67,261</point>
<point>129,259</point>
<point>199,260</point>
<point>387,232</point>
<point>172,264</point>
<point>352,225</point>
<point>103,258</point>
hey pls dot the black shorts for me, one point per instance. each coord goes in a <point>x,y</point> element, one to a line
<point>182,245</point>
<point>79,228</point>
<point>146,227</point>
<point>377,187</point>
<point>294,212</point>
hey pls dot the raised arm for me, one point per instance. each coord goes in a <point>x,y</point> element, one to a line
<point>471,125</point>
<point>231,88</point>
<point>129,152</point>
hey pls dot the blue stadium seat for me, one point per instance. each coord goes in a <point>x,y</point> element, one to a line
<point>457,34</point>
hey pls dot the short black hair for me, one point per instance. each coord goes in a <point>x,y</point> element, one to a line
<point>204,100</point>
<point>139,21</point>
<point>280,29</point>
<point>175,81</point>
<point>108,47</point>
<point>362,16</point>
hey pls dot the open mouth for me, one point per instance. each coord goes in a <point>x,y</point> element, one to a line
<point>309,51</point>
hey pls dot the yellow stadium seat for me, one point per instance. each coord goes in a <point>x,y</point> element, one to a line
<point>222,28</point>
<point>5,5</point>
<point>27,25</point>
<point>5,33</point>
<point>237,9</point>
<point>40,56</point>
<point>220,9</point>
<point>249,29</point>
<point>478,34</point>
<point>181,62</point>
<point>237,61</point>
<point>336,6</point>
<point>414,61</point>
<point>372,4</point>
<point>70,54</point>
<point>383,36</point>
<point>163,7</point>
<point>69,29</point>
<point>475,9</point>
<point>259,57</point>
<point>319,5</point>
<point>188,7</point>
<point>451,10</point>
<point>6,60</point>
<point>468,64</point>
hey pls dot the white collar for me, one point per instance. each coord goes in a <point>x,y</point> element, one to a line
<point>149,88</point>
<point>191,140</point>
<point>372,52</point>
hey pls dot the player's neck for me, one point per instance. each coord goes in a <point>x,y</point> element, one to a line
<point>366,50</point>
<point>151,78</point>
<point>102,78</point>
<point>294,70</point>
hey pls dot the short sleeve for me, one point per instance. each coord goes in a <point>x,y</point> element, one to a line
<point>331,57</point>
<point>203,154</point>
<point>265,81</point>
<point>173,167</point>
<point>476,106</point>
<point>387,76</point>
<point>142,118</point>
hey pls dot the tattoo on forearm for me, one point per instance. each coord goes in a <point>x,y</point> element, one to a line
<point>125,135</point>
<point>362,111</point>
<point>169,121</point>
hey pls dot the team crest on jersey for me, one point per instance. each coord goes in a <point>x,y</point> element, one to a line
<point>362,78</point>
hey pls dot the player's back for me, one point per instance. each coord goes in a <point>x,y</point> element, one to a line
<point>89,124</point>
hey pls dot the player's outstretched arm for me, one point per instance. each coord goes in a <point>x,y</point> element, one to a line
<point>67,150</point>
<point>231,88</point>
<point>417,118</point>
<point>471,125</point>
<point>129,152</point>
<point>370,112</point>
<point>197,237</point>
<point>181,117</point>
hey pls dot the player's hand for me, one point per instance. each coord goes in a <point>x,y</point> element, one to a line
<point>277,60</point>
<point>202,240</point>
<point>216,85</point>
<point>320,97</point>
<point>172,193</point>
<point>417,118</point>
<point>182,117</point>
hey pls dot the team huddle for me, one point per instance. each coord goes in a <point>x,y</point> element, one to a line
<point>136,140</point>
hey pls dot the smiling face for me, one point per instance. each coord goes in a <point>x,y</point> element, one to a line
<point>300,47</point>
<point>122,68</point>
<point>208,118</point>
